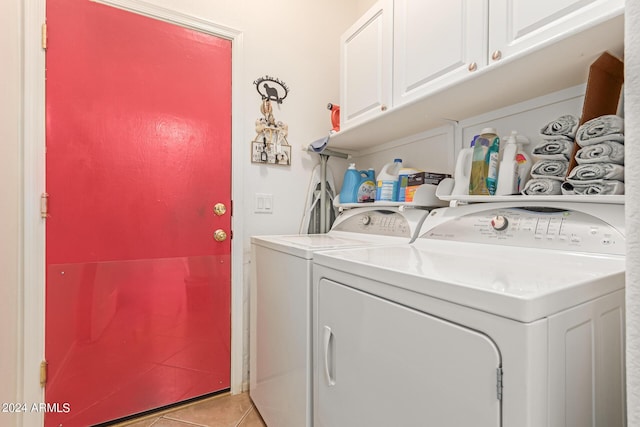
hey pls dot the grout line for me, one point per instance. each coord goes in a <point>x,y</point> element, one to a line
<point>246,414</point>
<point>182,421</point>
<point>162,412</point>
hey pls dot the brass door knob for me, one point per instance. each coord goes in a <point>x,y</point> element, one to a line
<point>219,209</point>
<point>496,55</point>
<point>220,235</point>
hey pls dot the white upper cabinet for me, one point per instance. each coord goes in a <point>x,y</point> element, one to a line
<point>366,65</point>
<point>516,25</point>
<point>435,44</point>
<point>413,65</point>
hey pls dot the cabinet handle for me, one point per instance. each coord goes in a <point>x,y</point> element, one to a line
<point>383,108</point>
<point>473,66</point>
<point>328,356</point>
<point>496,55</point>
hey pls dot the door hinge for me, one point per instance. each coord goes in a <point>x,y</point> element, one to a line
<point>44,36</point>
<point>499,383</point>
<point>43,373</point>
<point>44,205</point>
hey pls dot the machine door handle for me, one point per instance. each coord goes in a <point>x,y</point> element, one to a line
<point>220,235</point>
<point>329,352</point>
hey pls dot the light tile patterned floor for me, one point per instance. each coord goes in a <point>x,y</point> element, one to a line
<point>219,411</point>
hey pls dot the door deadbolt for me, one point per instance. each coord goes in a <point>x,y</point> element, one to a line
<point>220,235</point>
<point>219,209</point>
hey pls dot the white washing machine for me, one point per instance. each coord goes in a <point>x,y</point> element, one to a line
<point>280,305</point>
<point>498,315</point>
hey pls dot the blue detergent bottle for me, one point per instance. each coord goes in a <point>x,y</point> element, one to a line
<point>350,184</point>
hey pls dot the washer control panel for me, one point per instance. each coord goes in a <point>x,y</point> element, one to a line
<point>545,228</point>
<point>380,222</point>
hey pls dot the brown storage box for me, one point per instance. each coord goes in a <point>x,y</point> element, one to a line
<point>604,85</point>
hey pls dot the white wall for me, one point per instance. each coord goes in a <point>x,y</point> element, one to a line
<point>431,151</point>
<point>632,185</point>
<point>10,212</point>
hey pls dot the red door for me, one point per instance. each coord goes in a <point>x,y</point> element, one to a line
<point>138,153</point>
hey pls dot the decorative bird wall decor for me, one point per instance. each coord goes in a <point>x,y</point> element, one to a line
<point>270,144</point>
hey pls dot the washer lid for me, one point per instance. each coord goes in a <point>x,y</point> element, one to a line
<point>304,245</point>
<point>356,227</point>
<point>523,284</point>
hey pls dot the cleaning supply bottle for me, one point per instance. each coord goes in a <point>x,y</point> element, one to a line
<point>403,181</point>
<point>463,170</point>
<point>366,187</point>
<point>524,163</point>
<point>387,184</point>
<point>480,162</point>
<point>514,167</point>
<point>492,165</point>
<point>350,184</point>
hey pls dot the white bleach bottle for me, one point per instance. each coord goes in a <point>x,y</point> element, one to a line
<point>514,167</point>
<point>388,182</point>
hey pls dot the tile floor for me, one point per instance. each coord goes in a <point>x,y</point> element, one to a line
<point>219,411</point>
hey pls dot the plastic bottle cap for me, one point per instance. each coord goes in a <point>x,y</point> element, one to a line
<point>488,130</point>
<point>352,165</point>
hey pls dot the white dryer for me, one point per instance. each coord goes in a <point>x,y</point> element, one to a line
<point>280,305</point>
<point>498,315</point>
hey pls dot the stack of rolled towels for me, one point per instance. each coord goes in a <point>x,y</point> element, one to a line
<point>552,156</point>
<point>600,159</point>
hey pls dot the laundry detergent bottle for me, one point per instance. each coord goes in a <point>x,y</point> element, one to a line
<point>481,160</point>
<point>387,184</point>
<point>462,174</point>
<point>350,184</point>
<point>366,187</point>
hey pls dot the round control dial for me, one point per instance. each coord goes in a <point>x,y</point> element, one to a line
<point>499,222</point>
<point>366,220</point>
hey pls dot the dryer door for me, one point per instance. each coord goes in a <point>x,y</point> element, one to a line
<point>378,363</point>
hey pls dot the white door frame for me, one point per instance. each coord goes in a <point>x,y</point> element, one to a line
<point>32,292</point>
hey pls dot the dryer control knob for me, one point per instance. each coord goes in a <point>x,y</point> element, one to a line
<point>499,222</point>
<point>366,220</point>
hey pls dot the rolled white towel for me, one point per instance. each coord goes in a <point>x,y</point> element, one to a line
<point>595,187</point>
<point>563,127</point>
<point>603,128</point>
<point>542,186</point>
<point>554,169</point>
<point>592,171</point>
<point>558,149</point>
<point>606,151</point>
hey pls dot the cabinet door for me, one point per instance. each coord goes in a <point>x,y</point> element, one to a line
<point>382,364</point>
<point>365,75</point>
<point>517,26</point>
<point>436,43</point>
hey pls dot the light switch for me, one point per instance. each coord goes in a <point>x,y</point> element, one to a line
<point>263,203</point>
